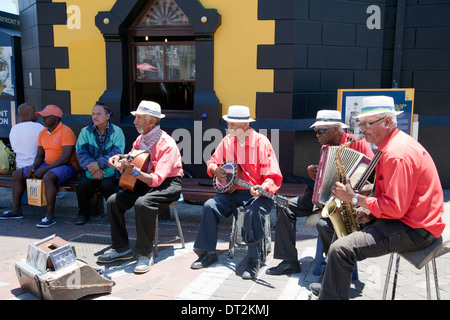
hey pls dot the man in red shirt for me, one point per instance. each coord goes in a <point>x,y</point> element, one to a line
<point>159,184</point>
<point>254,154</point>
<point>329,131</point>
<point>405,211</point>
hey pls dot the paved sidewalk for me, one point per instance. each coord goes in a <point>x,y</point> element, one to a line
<point>171,277</point>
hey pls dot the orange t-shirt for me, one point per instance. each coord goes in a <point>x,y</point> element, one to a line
<point>52,142</point>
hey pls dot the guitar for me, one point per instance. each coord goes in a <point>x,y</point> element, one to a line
<point>233,180</point>
<point>140,161</point>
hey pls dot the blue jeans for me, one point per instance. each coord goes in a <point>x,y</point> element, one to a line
<point>222,206</point>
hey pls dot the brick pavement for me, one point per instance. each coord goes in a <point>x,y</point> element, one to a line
<point>171,277</point>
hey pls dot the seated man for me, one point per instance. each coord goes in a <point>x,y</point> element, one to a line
<point>24,135</point>
<point>329,131</point>
<point>158,185</point>
<point>405,211</point>
<point>55,163</point>
<point>253,152</point>
<point>95,145</point>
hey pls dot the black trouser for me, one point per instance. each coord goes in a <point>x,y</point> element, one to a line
<point>285,227</point>
<point>147,202</point>
<point>222,206</point>
<point>86,189</point>
<point>376,239</point>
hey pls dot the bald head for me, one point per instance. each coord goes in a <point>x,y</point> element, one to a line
<point>27,112</point>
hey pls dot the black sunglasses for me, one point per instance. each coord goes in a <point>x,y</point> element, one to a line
<point>322,130</point>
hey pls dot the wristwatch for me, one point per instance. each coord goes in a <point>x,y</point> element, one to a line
<point>355,199</point>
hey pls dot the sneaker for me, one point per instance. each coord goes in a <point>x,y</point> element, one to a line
<point>9,215</point>
<point>113,255</point>
<point>46,222</point>
<point>144,264</point>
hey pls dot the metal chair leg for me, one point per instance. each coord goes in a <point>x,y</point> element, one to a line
<point>180,231</point>
<point>174,206</point>
<point>427,280</point>
<point>232,240</point>
<point>155,241</point>
<point>394,286</point>
<point>236,227</point>
<point>388,275</point>
<point>436,282</point>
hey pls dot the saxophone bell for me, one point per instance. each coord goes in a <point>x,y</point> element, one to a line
<point>332,211</point>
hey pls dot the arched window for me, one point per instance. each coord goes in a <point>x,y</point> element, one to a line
<point>162,57</point>
<point>185,84</point>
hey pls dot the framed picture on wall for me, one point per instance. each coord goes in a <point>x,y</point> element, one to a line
<point>349,103</point>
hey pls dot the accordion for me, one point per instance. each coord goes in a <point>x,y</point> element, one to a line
<point>355,164</point>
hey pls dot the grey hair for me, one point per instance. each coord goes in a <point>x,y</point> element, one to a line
<point>149,117</point>
<point>392,115</point>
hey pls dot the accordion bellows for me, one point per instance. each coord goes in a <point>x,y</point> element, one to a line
<point>354,162</point>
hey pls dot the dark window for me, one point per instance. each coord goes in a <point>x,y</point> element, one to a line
<point>163,58</point>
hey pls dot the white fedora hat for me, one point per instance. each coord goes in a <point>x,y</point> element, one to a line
<point>328,117</point>
<point>377,104</point>
<point>149,107</point>
<point>238,114</point>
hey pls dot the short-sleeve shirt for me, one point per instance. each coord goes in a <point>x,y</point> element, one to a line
<point>24,141</point>
<point>52,142</point>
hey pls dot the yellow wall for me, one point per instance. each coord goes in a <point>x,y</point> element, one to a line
<point>236,78</point>
<point>86,76</point>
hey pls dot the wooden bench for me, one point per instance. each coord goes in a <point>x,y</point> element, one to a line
<point>192,189</point>
<point>202,189</point>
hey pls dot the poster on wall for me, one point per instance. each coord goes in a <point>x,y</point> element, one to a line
<point>6,81</point>
<point>7,117</point>
<point>350,102</point>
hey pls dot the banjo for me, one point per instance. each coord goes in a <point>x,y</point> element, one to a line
<point>233,180</point>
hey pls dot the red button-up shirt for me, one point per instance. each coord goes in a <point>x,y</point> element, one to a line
<point>256,157</point>
<point>407,185</point>
<point>166,159</point>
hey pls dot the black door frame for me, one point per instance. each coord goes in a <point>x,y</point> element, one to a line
<point>207,106</point>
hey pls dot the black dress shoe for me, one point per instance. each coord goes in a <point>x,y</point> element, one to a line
<point>204,261</point>
<point>252,269</point>
<point>285,267</point>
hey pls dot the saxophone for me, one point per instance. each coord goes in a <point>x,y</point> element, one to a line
<point>343,218</point>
